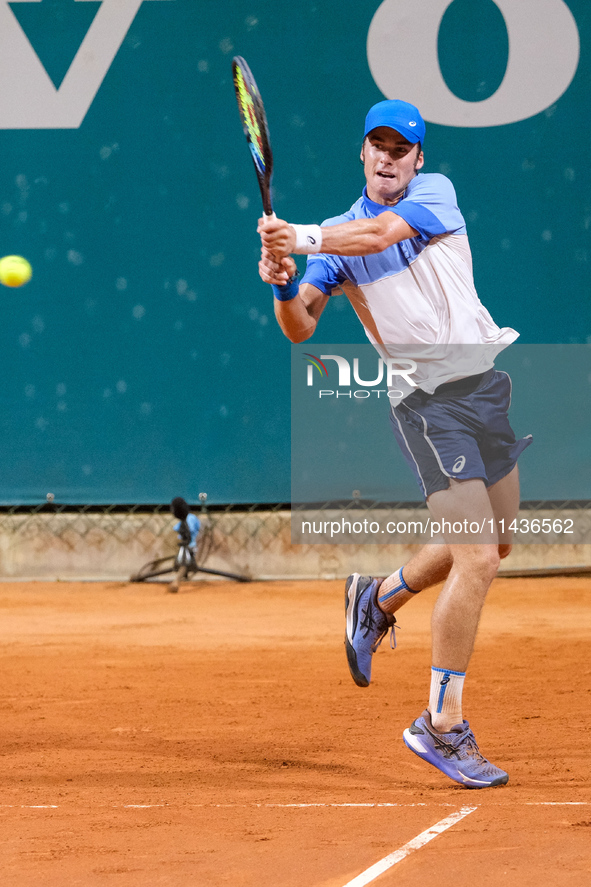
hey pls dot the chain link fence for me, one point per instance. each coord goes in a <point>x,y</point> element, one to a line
<point>50,540</point>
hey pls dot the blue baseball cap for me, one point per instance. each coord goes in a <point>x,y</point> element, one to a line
<point>401,116</point>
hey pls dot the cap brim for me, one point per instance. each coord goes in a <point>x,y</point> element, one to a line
<point>409,134</point>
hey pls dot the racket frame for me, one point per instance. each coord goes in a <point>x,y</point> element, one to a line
<point>254,125</point>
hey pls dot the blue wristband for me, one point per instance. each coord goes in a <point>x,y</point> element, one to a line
<point>288,291</point>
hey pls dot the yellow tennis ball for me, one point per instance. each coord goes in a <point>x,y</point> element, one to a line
<point>14,271</point>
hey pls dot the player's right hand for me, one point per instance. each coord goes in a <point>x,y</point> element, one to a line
<point>273,271</point>
<point>277,236</point>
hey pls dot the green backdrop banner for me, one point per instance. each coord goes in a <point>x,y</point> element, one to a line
<point>143,360</point>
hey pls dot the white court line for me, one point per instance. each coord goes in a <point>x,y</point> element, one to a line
<point>259,806</point>
<point>510,803</point>
<point>387,862</point>
<point>556,803</point>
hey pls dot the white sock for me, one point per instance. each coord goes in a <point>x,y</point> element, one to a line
<point>445,698</point>
<point>394,592</point>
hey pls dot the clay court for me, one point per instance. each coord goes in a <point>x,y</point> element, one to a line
<point>215,737</point>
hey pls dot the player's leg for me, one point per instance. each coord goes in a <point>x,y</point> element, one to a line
<point>441,736</point>
<point>429,566</point>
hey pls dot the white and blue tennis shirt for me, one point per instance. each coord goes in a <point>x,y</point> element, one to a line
<point>419,291</point>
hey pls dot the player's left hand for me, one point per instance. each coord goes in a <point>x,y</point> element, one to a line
<point>277,236</point>
<point>273,271</point>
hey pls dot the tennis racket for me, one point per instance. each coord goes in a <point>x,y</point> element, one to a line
<point>254,124</point>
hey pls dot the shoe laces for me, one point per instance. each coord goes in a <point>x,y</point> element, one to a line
<point>393,628</point>
<point>466,746</point>
<point>389,628</point>
<point>369,623</point>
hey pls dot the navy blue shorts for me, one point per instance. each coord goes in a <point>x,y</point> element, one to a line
<point>461,431</point>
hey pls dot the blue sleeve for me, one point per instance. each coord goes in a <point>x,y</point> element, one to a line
<point>323,272</point>
<point>431,207</point>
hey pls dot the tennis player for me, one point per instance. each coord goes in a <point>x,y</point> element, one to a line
<point>401,255</point>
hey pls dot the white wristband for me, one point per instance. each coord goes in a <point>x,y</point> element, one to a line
<point>308,239</point>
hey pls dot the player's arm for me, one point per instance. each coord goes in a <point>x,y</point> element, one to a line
<point>297,307</point>
<point>359,237</point>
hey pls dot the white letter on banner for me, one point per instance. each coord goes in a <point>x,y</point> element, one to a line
<point>543,59</point>
<point>28,97</point>
<point>343,365</point>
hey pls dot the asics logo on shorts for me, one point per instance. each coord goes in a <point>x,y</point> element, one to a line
<point>459,464</point>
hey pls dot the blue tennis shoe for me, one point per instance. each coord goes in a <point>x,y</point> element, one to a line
<point>367,624</point>
<point>455,753</point>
